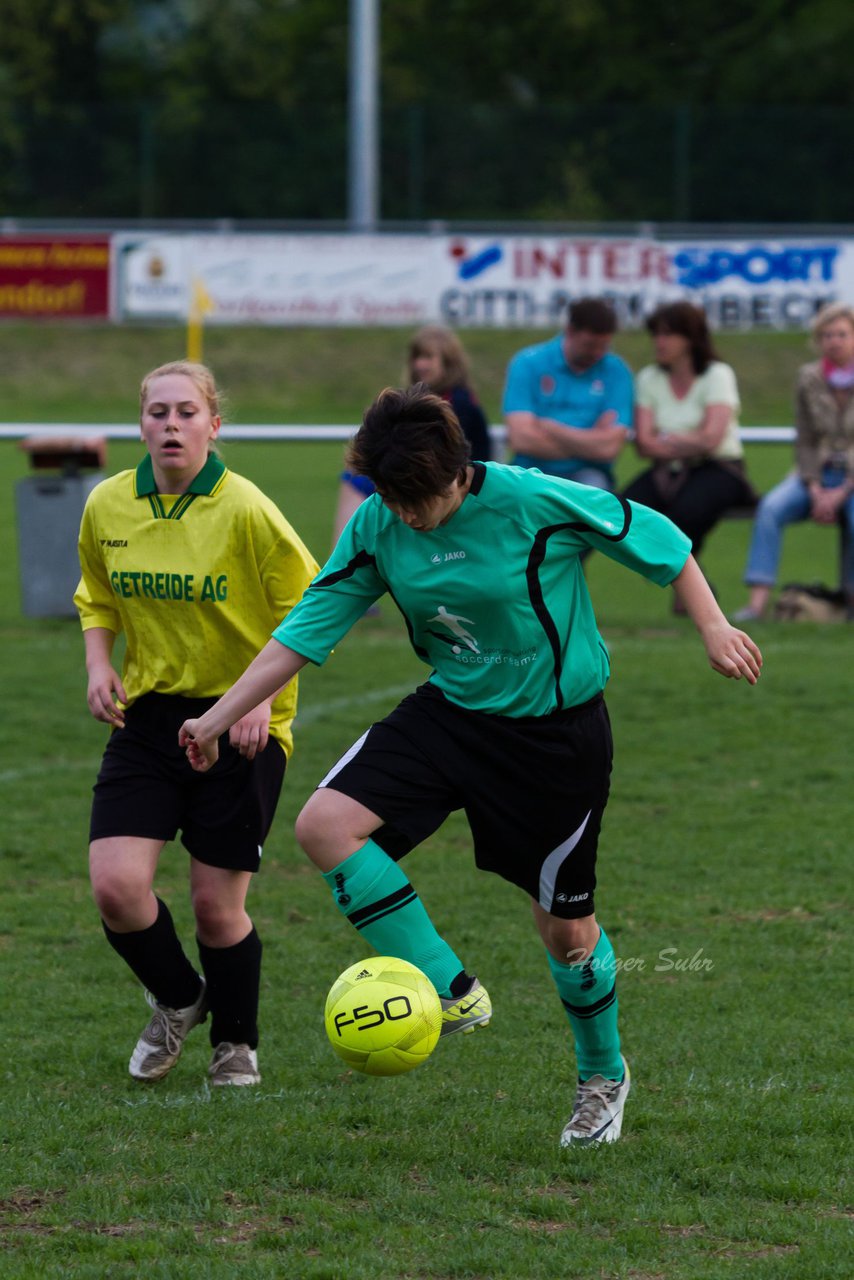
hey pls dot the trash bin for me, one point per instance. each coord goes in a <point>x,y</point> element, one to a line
<point>49,506</point>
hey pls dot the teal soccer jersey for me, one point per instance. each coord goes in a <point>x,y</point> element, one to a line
<point>495,599</point>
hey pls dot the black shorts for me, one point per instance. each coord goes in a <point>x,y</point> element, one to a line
<point>533,789</point>
<point>147,788</point>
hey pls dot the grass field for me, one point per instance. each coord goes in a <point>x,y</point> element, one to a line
<point>58,373</point>
<point>724,884</point>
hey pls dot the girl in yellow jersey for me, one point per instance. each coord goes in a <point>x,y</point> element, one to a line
<point>196,566</point>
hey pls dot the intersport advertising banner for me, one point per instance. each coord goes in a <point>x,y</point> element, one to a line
<point>473,281</point>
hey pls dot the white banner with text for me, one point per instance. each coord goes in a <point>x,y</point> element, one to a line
<point>471,281</point>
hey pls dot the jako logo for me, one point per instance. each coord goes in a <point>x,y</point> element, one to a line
<point>343,897</point>
<point>436,558</point>
<point>469,267</point>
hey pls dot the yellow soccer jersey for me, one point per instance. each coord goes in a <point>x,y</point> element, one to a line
<point>197,582</point>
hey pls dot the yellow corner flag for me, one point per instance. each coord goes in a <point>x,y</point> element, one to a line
<point>201,303</point>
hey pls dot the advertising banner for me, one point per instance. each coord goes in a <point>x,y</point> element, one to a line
<point>152,276</point>
<point>471,281</point>
<point>278,279</point>
<point>55,277</point>
<point>527,281</point>
<point>316,279</point>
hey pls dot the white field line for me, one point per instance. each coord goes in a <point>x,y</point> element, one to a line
<point>45,770</point>
<point>317,711</point>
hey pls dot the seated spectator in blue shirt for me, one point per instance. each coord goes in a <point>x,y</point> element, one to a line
<point>568,402</point>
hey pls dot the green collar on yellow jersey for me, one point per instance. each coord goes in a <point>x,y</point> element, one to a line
<point>207,482</point>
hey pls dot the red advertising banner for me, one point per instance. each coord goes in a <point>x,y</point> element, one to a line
<point>54,277</point>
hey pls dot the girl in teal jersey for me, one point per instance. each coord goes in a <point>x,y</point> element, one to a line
<point>484,562</point>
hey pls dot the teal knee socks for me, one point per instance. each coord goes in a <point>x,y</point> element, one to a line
<point>376,897</point>
<point>589,996</point>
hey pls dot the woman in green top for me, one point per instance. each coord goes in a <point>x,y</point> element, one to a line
<point>484,562</point>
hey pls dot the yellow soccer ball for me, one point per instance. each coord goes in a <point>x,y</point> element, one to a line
<point>383,1016</point>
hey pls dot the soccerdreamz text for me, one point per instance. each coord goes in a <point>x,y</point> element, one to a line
<point>493,657</point>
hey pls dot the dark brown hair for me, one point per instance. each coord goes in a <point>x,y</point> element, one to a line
<point>689,321</point>
<point>591,315</point>
<point>410,444</point>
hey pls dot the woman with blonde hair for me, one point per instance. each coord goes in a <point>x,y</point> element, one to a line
<point>195,566</point>
<point>435,357</point>
<point>821,488</point>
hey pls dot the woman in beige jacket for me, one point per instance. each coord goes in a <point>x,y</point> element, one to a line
<point>821,488</point>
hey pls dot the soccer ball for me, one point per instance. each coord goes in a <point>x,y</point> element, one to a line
<point>383,1016</point>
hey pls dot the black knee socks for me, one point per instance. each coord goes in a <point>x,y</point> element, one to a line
<point>233,975</point>
<point>157,958</point>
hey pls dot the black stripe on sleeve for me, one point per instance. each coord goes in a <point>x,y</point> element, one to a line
<point>627,522</point>
<point>360,561</point>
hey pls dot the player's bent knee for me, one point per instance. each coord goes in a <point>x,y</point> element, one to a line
<point>118,900</point>
<point>121,874</point>
<point>308,828</point>
<point>331,825</point>
<point>571,941</point>
<point>213,917</point>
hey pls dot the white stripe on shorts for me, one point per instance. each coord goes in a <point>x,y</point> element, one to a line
<point>553,863</point>
<point>345,759</point>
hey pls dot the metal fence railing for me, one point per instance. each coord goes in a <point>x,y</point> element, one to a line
<point>290,431</point>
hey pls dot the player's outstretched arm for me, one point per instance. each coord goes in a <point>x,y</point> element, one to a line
<point>270,671</point>
<point>730,651</point>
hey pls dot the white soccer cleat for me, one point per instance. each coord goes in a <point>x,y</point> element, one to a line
<point>159,1047</point>
<point>234,1064</point>
<point>597,1113</point>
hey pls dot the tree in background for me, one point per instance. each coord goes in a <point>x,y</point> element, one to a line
<point>238,108</point>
